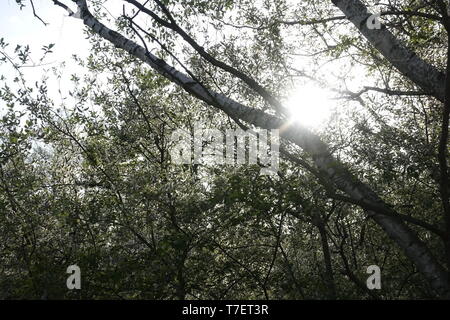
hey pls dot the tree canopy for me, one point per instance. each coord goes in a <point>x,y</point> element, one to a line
<point>88,175</point>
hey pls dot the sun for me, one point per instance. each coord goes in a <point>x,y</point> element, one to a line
<point>310,105</point>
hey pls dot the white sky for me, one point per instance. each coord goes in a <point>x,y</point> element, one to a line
<point>67,33</point>
<point>21,27</point>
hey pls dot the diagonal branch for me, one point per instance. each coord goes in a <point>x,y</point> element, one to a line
<point>36,15</point>
<point>252,83</point>
<point>424,75</point>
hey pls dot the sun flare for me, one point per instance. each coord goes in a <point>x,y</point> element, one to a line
<point>310,105</point>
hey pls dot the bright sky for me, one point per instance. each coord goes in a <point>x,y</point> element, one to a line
<point>21,27</point>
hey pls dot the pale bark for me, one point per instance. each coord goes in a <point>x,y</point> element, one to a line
<point>424,75</point>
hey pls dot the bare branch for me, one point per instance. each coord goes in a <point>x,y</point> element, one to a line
<point>35,14</point>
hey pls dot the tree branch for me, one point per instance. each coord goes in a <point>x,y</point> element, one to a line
<point>426,76</point>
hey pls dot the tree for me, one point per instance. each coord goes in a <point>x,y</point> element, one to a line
<point>397,54</point>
